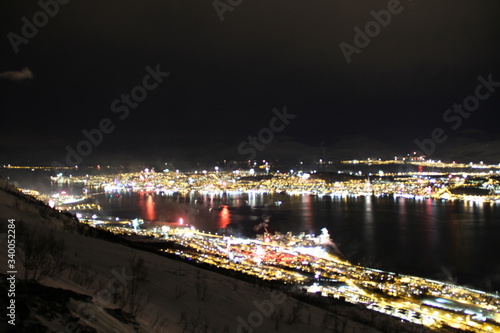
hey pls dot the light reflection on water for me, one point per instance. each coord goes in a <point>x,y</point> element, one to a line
<point>438,239</point>
<point>426,237</point>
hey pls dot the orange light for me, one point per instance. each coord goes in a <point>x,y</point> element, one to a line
<point>224,217</point>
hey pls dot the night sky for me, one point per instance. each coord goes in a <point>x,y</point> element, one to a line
<point>225,78</point>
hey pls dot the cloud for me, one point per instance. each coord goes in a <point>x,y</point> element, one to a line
<point>24,74</point>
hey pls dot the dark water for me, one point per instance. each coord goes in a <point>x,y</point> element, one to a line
<point>453,241</point>
<point>445,240</point>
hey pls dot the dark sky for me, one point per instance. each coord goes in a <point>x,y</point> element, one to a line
<point>226,77</point>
